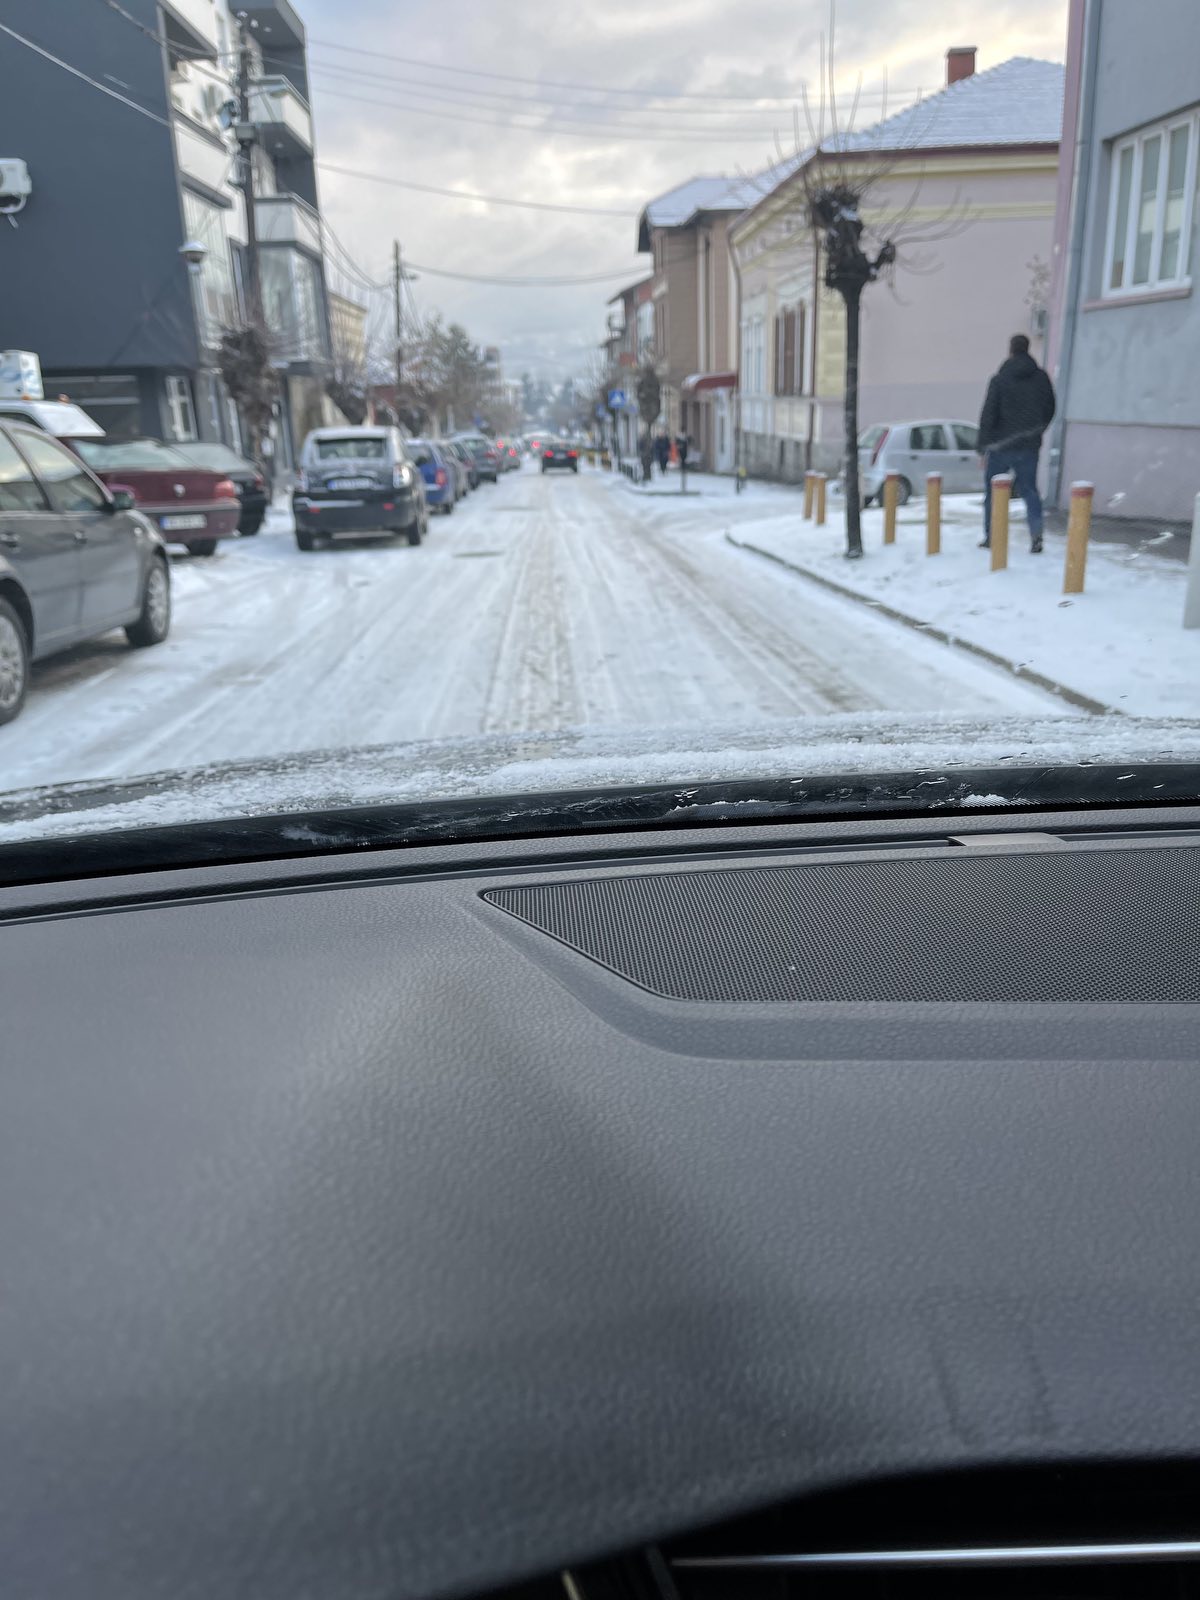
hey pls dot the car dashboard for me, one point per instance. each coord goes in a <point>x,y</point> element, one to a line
<point>773,1209</point>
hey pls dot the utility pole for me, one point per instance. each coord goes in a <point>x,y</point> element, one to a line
<point>246,135</point>
<point>397,290</point>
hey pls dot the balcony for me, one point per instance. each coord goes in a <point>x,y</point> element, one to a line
<point>282,118</point>
<point>286,219</point>
<point>276,24</point>
<point>190,26</point>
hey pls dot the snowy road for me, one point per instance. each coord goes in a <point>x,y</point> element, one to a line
<point>546,602</point>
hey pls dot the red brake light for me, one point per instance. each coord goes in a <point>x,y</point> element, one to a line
<point>879,444</point>
<point>549,455</point>
<point>439,477</point>
<point>572,455</point>
<point>225,490</point>
<point>259,481</point>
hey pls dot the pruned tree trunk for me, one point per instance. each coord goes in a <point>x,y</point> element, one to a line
<point>852,297</point>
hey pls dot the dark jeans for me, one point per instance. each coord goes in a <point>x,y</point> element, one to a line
<point>1023,465</point>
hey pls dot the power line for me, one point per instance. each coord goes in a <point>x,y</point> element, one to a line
<point>463,194</point>
<point>76,73</point>
<point>510,99</point>
<point>550,83</point>
<point>599,130</point>
<point>523,283</point>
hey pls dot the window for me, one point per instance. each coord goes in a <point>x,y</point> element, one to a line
<point>965,437</point>
<point>372,447</point>
<point>1151,205</point>
<point>927,436</point>
<point>18,492</point>
<point>67,483</point>
<point>111,398</point>
<point>182,423</point>
<point>789,352</point>
<point>215,305</point>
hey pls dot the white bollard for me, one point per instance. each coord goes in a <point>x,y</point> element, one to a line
<point>1191,600</point>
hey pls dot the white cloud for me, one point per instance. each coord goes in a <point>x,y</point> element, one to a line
<point>367,118</point>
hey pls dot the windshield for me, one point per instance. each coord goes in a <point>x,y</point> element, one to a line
<point>149,454</point>
<point>647,397</point>
<point>351,449</point>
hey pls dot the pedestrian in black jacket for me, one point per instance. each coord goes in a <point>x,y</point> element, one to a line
<point>1016,413</point>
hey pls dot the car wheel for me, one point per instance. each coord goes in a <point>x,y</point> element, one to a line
<point>251,528</point>
<point>203,547</point>
<point>154,623</point>
<point>14,662</point>
<point>448,508</point>
<point>413,533</point>
<point>903,492</point>
<point>304,541</point>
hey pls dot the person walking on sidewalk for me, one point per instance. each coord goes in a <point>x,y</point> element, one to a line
<point>646,452</point>
<point>1016,413</point>
<point>662,450</point>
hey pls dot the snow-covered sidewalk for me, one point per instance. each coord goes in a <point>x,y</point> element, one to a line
<point>1121,643</point>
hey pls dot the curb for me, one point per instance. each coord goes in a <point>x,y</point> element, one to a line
<point>1081,702</point>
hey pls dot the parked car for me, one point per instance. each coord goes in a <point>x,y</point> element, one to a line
<point>459,451</point>
<point>190,505</point>
<point>512,455</point>
<point>440,492</point>
<point>249,479</point>
<point>357,481</point>
<point>484,454</point>
<point>914,449</point>
<point>76,560</point>
<point>61,418</point>
<point>560,453</point>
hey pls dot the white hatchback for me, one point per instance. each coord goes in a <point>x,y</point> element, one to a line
<point>915,449</point>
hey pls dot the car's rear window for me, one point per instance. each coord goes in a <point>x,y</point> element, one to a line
<point>150,455</point>
<point>217,456</point>
<point>373,448</point>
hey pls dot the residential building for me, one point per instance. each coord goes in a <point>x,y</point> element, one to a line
<point>965,181</point>
<point>1125,326</point>
<point>94,275</point>
<point>693,294</point>
<point>629,342</point>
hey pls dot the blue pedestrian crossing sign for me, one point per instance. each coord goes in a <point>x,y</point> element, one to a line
<point>616,400</point>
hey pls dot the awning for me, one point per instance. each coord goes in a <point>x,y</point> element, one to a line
<point>702,382</point>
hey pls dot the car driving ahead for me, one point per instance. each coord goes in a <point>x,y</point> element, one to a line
<point>76,560</point>
<point>560,453</point>
<point>358,481</point>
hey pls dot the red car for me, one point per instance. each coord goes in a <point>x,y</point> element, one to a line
<point>190,505</point>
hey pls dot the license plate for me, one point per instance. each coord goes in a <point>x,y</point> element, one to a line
<point>179,524</point>
<point>350,483</point>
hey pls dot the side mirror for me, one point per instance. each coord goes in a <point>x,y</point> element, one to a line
<point>122,500</point>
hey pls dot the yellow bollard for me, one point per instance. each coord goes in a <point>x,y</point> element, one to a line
<point>933,514</point>
<point>808,495</point>
<point>891,498</point>
<point>1001,495</point>
<point>1079,525</point>
<point>820,500</point>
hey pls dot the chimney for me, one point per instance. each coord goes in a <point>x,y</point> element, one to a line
<point>960,63</point>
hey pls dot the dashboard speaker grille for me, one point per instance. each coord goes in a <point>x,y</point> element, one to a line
<point>1088,926</point>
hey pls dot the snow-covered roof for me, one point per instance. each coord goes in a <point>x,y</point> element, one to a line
<point>1018,102</point>
<point>679,206</point>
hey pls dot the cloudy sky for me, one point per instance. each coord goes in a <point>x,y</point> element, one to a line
<point>600,106</point>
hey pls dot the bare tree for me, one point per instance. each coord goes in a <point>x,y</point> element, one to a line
<point>830,183</point>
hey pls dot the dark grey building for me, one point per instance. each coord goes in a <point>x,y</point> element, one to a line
<point>93,276</point>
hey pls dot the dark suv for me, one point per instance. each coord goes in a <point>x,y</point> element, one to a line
<point>76,560</point>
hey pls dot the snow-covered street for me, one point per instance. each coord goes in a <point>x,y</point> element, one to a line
<point>544,603</point>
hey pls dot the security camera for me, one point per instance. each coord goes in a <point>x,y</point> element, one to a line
<point>193,252</point>
<point>15,185</point>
